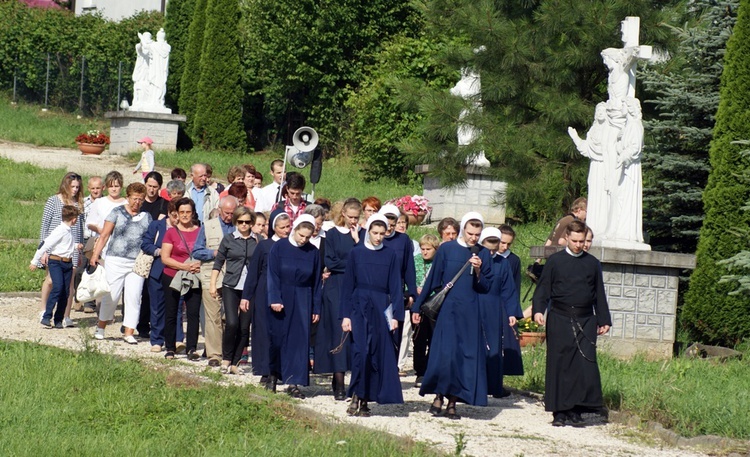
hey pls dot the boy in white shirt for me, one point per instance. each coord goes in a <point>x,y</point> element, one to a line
<point>60,246</point>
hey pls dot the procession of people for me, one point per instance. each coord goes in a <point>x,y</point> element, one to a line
<point>328,289</point>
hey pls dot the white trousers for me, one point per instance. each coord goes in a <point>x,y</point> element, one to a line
<point>121,277</point>
<point>405,341</point>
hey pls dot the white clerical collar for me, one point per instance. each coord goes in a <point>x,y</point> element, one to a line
<point>462,242</point>
<point>275,237</point>
<point>292,241</point>
<point>369,246</point>
<point>342,230</point>
<point>505,254</point>
<point>571,252</point>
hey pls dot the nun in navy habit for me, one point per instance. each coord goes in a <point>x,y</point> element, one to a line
<point>498,305</point>
<point>339,242</point>
<point>255,299</point>
<point>512,361</point>
<point>457,366</point>
<point>294,294</point>
<point>371,307</point>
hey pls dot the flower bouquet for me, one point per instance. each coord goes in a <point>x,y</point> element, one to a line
<point>93,137</point>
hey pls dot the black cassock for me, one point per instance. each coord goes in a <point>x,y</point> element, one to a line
<point>575,287</point>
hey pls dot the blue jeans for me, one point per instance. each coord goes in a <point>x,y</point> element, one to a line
<point>156,295</point>
<point>61,273</point>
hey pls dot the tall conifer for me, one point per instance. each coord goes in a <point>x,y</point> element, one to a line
<point>710,313</point>
<point>177,28</point>
<point>188,99</point>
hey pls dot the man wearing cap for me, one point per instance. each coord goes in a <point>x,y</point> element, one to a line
<point>146,164</point>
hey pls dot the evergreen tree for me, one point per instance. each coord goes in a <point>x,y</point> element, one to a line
<point>188,99</point>
<point>710,313</point>
<point>218,115</point>
<point>541,72</point>
<point>686,92</point>
<point>177,28</point>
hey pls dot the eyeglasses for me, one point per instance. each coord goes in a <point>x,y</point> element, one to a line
<point>244,221</point>
<point>74,176</point>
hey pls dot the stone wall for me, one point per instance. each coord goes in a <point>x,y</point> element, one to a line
<point>481,193</point>
<point>641,289</point>
<point>130,126</point>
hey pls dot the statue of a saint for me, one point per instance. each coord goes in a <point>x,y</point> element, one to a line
<point>150,73</point>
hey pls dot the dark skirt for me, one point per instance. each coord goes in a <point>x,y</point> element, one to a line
<point>328,334</point>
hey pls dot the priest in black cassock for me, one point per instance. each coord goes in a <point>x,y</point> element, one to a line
<point>573,287</point>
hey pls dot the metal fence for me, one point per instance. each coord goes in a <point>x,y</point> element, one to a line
<point>79,84</point>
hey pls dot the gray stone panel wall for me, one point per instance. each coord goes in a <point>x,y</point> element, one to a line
<point>130,126</point>
<point>481,193</point>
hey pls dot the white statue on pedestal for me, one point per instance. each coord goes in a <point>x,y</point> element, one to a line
<point>150,73</point>
<point>469,88</point>
<point>614,144</point>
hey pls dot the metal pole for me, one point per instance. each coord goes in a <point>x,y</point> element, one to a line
<point>83,69</point>
<point>46,87</point>
<point>119,79</point>
<point>15,79</point>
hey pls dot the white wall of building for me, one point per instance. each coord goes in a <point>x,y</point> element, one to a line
<point>117,9</point>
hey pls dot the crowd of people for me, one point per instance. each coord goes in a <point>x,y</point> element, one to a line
<point>313,287</point>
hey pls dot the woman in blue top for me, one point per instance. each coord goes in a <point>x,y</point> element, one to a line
<point>456,368</point>
<point>372,305</point>
<point>294,277</point>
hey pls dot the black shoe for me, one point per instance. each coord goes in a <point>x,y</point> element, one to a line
<point>192,355</point>
<point>418,382</point>
<point>339,395</point>
<point>214,363</point>
<point>450,413</point>
<point>294,392</point>
<point>270,383</point>
<point>559,419</point>
<point>575,419</point>
<point>264,379</point>
<point>502,394</point>
<point>436,408</point>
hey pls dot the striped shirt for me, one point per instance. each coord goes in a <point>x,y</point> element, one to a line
<point>52,217</point>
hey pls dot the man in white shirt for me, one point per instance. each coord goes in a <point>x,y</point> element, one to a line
<point>268,196</point>
<point>205,197</point>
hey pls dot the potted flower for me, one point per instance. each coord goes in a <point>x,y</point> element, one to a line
<point>530,333</point>
<point>92,142</point>
<point>415,207</point>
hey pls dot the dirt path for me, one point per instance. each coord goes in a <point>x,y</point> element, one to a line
<point>516,425</point>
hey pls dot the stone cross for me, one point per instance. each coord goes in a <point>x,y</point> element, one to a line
<point>631,30</point>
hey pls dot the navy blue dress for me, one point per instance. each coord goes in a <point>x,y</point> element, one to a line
<point>337,248</point>
<point>256,291</point>
<point>404,249</point>
<point>294,281</point>
<point>500,302</point>
<point>371,284</point>
<point>512,362</point>
<point>458,352</point>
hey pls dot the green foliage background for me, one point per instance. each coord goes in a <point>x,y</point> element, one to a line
<point>177,28</point>
<point>710,312</point>
<point>28,34</point>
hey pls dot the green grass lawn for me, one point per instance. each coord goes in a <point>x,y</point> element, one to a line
<point>57,402</point>
<point>690,396</point>
<point>26,123</point>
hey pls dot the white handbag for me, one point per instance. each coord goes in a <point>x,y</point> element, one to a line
<point>93,284</point>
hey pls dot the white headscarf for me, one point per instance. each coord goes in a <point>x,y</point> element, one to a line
<point>373,218</point>
<point>391,210</point>
<point>490,232</point>
<point>275,236</point>
<point>297,222</point>
<point>470,216</point>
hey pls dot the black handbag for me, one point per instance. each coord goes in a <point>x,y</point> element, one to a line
<point>431,307</point>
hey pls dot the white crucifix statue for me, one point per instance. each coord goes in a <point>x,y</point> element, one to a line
<point>631,31</point>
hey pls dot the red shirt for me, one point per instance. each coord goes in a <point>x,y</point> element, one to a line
<point>179,252</point>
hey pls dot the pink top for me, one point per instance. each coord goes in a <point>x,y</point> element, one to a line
<point>179,253</point>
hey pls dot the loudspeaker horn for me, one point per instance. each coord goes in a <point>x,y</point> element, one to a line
<point>305,139</point>
<point>299,159</point>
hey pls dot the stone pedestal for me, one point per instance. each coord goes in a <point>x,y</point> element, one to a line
<point>641,289</point>
<point>481,193</point>
<point>130,126</point>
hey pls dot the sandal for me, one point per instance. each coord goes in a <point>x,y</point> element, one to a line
<point>450,412</point>
<point>353,406</point>
<point>169,355</point>
<point>294,392</point>
<point>363,410</point>
<point>193,355</point>
<point>437,406</point>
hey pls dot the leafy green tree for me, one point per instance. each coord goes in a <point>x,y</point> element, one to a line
<point>188,99</point>
<point>303,56</point>
<point>378,119</point>
<point>710,312</point>
<point>177,28</point>
<point>541,72</point>
<point>218,116</point>
<point>686,95</point>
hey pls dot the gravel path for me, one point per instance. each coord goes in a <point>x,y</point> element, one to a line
<point>516,425</point>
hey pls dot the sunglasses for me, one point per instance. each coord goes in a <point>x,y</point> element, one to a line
<point>74,176</point>
<point>244,221</point>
